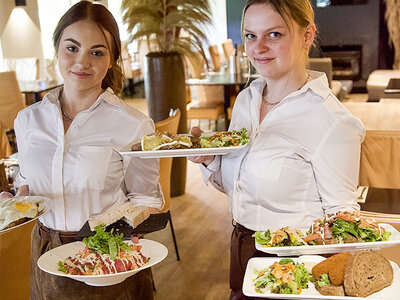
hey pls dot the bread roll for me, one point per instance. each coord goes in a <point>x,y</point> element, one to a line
<point>367,272</point>
<point>330,290</point>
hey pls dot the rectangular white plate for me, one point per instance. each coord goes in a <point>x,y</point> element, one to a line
<point>126,150</point>
<point>390,292</point>
<point>335,248</point>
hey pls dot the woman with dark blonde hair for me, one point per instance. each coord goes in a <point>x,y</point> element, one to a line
<point>67,150</point>
<point>303,158</point>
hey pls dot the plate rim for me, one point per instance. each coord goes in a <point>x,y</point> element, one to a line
<point>396,270</point>
<point>92,278</point>
<point>48,205</point>
<point>291,250</point>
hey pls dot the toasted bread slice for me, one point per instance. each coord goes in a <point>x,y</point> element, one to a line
<point>367,272</point>
<point>330,290</point>
<point>334,266</point>
<point>136,216</point>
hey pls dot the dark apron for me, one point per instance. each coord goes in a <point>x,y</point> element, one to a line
<point>47,286</point>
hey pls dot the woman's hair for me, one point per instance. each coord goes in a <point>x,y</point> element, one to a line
<point>100,15</point>
<point>299,11</point>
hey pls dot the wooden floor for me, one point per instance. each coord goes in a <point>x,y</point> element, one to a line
<point>203,227</point>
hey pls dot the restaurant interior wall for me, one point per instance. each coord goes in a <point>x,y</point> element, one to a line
<point>20,30</point>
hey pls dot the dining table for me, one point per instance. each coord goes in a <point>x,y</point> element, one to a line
<point>34,90</point>
<point>380,155</point>
<point>228,80</point>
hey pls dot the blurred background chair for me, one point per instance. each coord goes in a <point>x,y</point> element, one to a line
<point>215,57</point>
<point>15,262</point>
<point>228,48</point>
<point>5,148</point>
<point>168,125</point>
<point>208,102</point>
<point>11,102</point>
<point>26,69</point>
<point>324,64</point>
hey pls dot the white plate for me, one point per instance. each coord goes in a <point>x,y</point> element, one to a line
<point>47,206</point>
<point>390,292</point>
<point>335,248</point>
<point>126,150</point>
<point>48,262</point>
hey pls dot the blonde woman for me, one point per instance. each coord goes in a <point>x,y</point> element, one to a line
<point>303,158</point>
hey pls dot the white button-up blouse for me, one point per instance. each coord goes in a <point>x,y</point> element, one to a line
<point>302,161</point>
<point>81,170</point>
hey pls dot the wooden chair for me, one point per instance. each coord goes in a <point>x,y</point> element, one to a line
<point>209,104</point>
<point>168,125</point>
<point>228,48</point>
<point>15,262</point>
<point>215,57</point>
<point>11,99</point>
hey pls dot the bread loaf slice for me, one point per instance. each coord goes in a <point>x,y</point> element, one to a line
<point>134,215</point>
<point>330,290</point>
<point>367,272</point>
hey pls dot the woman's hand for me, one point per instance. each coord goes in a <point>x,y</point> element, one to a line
<point>23,190</point>
<point>206,159</point>
<point>5,196</point>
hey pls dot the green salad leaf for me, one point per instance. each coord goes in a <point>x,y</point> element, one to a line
<point>106,242</point>
<point>324,280</point>
<point>225,139</point>
<point>262,238</point>
<point>61,267</point>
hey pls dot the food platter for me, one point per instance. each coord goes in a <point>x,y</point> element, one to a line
<point>48,262</point>
<point>46,203</point>
<point>333,248</point>
<point>390,292</point>
<point>126,151</point>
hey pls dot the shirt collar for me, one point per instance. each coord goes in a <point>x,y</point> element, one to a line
<point>108,96</point>
<point>318,84</point>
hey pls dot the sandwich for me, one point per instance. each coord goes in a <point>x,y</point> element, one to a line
<point>359,274</point>
<point>163,141</point>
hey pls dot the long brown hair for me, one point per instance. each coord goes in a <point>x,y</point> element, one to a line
<point>100,15</point>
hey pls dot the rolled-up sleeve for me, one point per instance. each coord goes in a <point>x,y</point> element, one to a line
<point>336,164</point>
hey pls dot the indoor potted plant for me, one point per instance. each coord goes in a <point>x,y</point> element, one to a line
<point>175,26</point>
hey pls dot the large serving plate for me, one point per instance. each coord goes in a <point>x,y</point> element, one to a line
<point>48,262</point>
<point>259,263</point>
<point>126,150</point>
<point>335,248</point>
<point>47,206</point>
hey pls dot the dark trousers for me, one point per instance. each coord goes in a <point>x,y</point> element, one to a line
<point>242,249</point>
<point>47,286</point>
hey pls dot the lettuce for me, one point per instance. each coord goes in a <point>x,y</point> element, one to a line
<point>106,242</point>
<point>324,280</point>
<point>262,238</point>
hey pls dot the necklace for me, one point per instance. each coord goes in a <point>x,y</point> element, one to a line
<point>64,114</point>
<point>275,103</point>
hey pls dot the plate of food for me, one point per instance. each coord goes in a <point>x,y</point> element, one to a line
<point>17,211</point>
<point>365,274</point>
<point>340,232</point>
<point>164,144</point>
<point>102,259</point>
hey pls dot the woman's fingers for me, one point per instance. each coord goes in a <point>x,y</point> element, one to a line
<point>5,196</point>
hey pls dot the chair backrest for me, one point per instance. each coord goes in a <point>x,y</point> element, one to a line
<point>215,57</point>
<point>322,64</point>
<point>168,125</point>
<point>15,262</point>
<point>228,48</point>
<point>5,148</point>
<point>11,99</point>
<point>25,68</point>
